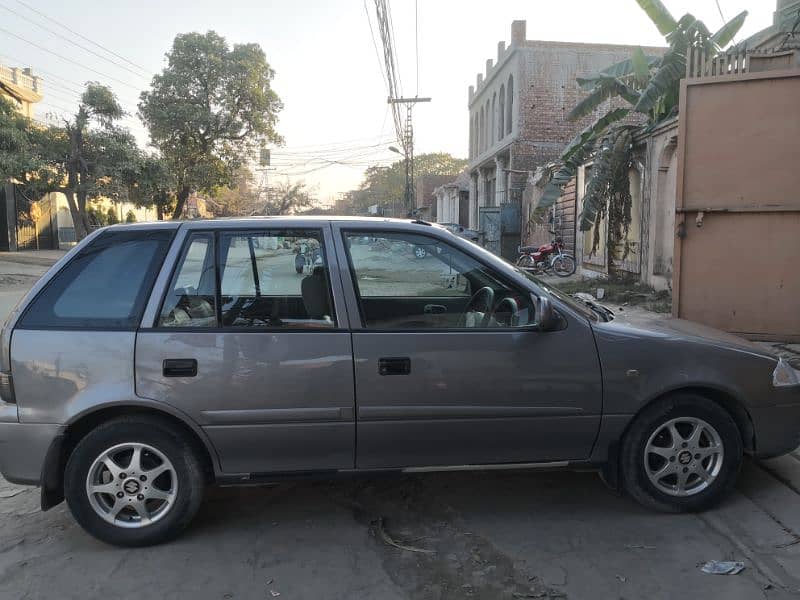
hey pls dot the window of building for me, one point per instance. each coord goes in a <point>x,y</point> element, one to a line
<point>510,104</point>
<point>494,119</point>
<point>410,281</point>
<point>501,113</point>
<point>105,286</point>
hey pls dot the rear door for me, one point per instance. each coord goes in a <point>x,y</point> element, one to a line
<point>448,369</point>
<point>251,341</point>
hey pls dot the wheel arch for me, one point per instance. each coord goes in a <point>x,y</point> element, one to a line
<point>726,399</point>
<point>52,479</point>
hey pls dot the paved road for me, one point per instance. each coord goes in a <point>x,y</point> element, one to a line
<point>466,535</point>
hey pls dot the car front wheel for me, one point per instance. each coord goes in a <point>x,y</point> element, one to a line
<point>133,482</point>
<point>681,454</point>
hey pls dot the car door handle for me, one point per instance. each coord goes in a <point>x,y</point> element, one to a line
<point>394,366</point>
<point>434,309</point>
<point>179,367</point>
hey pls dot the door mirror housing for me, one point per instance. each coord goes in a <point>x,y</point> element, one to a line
<point>546,317</point>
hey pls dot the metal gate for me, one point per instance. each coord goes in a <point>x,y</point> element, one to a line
<point>737,207</point>
<point>489,223</point>
<point>36,223</point>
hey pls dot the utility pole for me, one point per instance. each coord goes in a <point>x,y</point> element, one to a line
<point>408,148</point>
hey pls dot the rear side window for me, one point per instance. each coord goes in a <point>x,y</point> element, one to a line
<point>105,286</point>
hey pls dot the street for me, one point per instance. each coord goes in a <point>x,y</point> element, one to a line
<point>488,535</point>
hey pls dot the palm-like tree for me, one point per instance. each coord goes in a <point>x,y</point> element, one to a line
<point>650,86</point>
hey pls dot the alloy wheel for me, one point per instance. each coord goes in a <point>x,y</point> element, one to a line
<point>132,485</point>
<point>683,456</point>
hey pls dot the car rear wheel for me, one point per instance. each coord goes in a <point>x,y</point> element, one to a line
<point>681,454</point>
<point>133,482</point>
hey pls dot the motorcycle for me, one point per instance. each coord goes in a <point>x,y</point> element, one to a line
<point>547,258</point>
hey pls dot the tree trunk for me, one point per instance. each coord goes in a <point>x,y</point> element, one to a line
<point>81,196</point>
<point>183,195</point>
<point>77,220</point>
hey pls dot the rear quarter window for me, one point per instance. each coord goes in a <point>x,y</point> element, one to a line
<point>105,286</point>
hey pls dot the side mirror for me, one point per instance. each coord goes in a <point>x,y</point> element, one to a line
<point>546,317</point>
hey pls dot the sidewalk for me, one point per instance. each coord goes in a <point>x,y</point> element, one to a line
<point>43,258</point>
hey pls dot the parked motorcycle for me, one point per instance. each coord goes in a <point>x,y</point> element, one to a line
<point>547,258</point>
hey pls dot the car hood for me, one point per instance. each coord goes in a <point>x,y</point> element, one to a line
<point>683,330</point>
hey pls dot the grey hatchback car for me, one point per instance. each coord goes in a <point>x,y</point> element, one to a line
<point>155,359</point>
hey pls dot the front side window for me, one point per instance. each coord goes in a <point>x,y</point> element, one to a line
<point>267,279</point>
<point>410,281</point>
<point>105,286</point>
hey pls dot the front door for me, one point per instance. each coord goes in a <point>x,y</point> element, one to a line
<point>449,370</point>
<point>249,343</point>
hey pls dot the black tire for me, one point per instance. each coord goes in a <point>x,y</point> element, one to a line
<point>564,266</point>
<point>159,435</point>
<point>633,472</point>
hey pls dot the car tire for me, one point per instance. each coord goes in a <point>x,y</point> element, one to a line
<point>420,252</point>
<point>663,467</point>
<point>171,496</point>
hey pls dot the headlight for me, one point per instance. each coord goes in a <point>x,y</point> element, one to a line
<point>784,375</point>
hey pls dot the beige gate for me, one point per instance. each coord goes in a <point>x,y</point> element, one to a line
<point>737,245</point>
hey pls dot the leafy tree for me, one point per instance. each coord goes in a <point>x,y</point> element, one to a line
<point>287,198</point>
<point>648,87</point>
<point>86,158</point>
<point>383,185</point>
<point>208,111</point>
<point>18,155</point>
<point>154,185</point>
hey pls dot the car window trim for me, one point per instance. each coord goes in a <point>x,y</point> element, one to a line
<point>354,281</point>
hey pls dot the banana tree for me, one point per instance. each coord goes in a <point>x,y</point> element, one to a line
<point>649,86</point>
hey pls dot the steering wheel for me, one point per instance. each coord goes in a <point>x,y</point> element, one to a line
<point>486,296</point>
<point>513,309</point>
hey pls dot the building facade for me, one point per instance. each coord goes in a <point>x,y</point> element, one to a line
<point>452,201</point>
<point>517,112</point>
<point>22,87</point>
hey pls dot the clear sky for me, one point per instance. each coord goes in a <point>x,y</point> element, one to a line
<point>327,71</point>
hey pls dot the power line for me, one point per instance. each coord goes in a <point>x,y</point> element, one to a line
<point>724,21</point>
<point>83,37</point>
<point>74,43</point>
<point>47,73</point>
<point>74,62</point>
<point>375,46</point>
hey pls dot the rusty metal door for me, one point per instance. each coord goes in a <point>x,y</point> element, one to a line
<point>737,248</point>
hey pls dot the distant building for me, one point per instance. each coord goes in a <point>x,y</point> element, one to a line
<point>22,87</point>
<point>424,200</point>
<point>517,116</point>
<point>452,201</point>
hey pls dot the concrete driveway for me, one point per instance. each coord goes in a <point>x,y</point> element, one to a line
<point>449,536</point>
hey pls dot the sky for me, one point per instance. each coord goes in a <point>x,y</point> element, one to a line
<point>329,74</point>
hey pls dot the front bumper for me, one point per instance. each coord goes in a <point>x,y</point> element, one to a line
<point>777,427</point>
<point>23,448</point>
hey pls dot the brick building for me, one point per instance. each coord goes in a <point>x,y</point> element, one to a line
<point>517,114</point>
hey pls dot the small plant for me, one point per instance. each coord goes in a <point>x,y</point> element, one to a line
<point>111,216</point>
<point>130,217</point>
